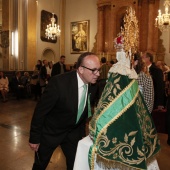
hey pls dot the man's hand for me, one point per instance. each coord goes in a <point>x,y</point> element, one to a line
<point>160,107</point>
<point>34,147</point>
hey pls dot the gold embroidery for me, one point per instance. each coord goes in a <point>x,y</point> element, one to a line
<point>124,149</point>
<point>103,106</point>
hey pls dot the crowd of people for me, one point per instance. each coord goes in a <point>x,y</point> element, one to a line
<point>4,86</point>
<point>31,85</point>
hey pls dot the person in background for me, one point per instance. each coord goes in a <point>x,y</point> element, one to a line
<point>26,79</point>
<point>162,66</point>
<point>168,109</point>
<point>59,67</point>
<point>56,120</point>
<point>17,85</point>
<point>157,77</point>
<point>74,66</point>
<point>51,67</point>
<point>4,83</point>
<point>103,76</point>
<point>145,82</point>
<point>111,63</point>
<point>165,69</point>
<point>35,80</point>
<point>168,118</point>
<point>44,75</point>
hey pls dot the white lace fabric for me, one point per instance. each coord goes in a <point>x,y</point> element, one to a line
<point>123,66</point>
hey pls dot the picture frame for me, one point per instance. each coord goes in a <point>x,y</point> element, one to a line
<point>80,36</point>
<point>45,20</point>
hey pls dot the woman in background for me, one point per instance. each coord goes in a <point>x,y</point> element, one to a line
<point>4,86</point>
<point>145,82</point>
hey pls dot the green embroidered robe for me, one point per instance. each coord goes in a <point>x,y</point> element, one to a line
<point>122,129</point>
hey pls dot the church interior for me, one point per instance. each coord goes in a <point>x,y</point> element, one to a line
<point>24,39</point>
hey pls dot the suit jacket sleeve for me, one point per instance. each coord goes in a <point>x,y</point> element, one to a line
<point>55,114</point>
<point>55,69</point>
<point>157,76</point>
<point>42,109</point>
<point>43,73</point>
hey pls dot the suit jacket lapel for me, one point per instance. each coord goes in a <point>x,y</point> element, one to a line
<point>74,87</point>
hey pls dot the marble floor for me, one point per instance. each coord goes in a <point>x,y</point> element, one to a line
<point>15,154</point>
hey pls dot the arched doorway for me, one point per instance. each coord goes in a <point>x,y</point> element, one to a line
<point>48,54</point>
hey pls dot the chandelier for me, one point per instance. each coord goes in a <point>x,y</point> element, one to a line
<point>52,31</point>
<point>162,21</point>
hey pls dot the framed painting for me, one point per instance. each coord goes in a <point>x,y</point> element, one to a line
<point>45,20</point>
<point>80,36</point>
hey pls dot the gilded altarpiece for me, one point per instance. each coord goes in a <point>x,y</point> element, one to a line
<point>110,20</point>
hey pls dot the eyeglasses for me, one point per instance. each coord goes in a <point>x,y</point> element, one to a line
<point>94,71</point>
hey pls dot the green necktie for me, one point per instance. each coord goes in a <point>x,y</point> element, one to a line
<point>82,102</point>
<point>89,106</point>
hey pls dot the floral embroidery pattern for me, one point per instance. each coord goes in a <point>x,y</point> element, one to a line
<point>121,127</point>
<point>124,149</point>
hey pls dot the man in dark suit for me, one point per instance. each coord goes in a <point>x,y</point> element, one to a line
<point>103,76</point>
<point>168,109</point>
<point>55,120</point>
<point>59,67</point>
<point>17,85</point>
<point>157,76</point>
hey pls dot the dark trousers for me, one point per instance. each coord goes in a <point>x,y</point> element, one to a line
<point>168,118</point>
<point>43,156</point>
<point>19,92</point>
<point>36,89</point>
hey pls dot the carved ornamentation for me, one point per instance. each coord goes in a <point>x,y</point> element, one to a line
<point>4,39</point>
<point>130,31</point>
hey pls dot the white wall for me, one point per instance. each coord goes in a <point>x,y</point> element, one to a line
<point>79,10</point>
<point>76,10</point>
<point>165,37</point>
<point>52,6</point>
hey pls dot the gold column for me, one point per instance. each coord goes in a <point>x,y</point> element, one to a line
<point>100,31</point>
<point>5,27</point>
<point>31,34</point>
<point>107,33</point>
<point>113,28</point>
<point>155,30</point>
<point>151,21</point>
<point>22,35</point>
<point>62,25</point>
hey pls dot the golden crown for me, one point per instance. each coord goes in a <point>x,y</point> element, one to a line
<point>128,38</point>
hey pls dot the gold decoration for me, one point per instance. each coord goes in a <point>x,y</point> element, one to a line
<point>162,21</point>
<point>128,38</point>
<point>131,31</point>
